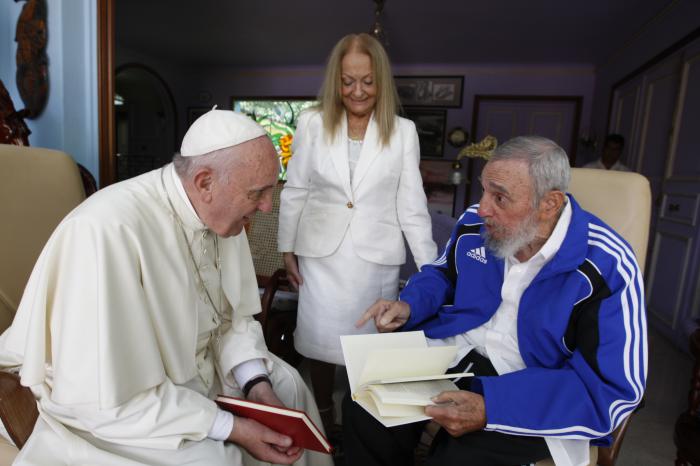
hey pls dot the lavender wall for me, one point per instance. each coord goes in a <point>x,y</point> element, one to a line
<point>561,80</point>
<point>206,86</point>
<point>569,80</point>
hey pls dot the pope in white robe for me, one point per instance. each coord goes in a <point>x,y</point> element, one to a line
<point>137,314</point>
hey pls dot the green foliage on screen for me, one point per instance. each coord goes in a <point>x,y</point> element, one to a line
<point>279,118</point>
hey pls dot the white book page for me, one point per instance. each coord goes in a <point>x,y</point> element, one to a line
<point>456,375</point>
<point>366,402</point>
<point>411,393</point>
<point>261,407</point>
<point>357,347</point>
<point>395,410</point>
<point>387,364</point>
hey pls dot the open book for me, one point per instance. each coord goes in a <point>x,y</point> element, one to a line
<point>395,375</point>
<point>291,422</point>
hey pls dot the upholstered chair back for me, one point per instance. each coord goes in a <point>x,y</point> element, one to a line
<point>38,187</point>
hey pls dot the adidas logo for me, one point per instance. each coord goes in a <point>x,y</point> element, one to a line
<point>478,254</point>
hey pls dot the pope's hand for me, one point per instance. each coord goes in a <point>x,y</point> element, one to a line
<point>458,412</point>
<point>263,443</point>
<point>387,315</point>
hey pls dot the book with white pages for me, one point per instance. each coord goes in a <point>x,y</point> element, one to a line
<point>395,375</point>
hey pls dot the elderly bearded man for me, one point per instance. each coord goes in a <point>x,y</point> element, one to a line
<point>545,304</point>
<point>139,311</point>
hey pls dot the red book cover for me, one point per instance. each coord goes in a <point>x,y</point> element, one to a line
<point>291,422</point>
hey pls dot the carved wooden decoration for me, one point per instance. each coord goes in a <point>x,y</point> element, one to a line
<point>32,62</point>
<point>12,127</point>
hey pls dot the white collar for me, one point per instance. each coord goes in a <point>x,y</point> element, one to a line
<point>180,188</point>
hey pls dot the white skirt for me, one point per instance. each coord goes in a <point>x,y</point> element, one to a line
<point>337,290</point>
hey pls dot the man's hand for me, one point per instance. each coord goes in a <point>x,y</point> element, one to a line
<point>263,443</point>
<point>387,315</point>
<point>293,275</point>
<point>263,393</point>
<point>458,412</point>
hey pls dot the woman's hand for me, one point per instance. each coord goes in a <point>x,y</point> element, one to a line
<point>293,275</point>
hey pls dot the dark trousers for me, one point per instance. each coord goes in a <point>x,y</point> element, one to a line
<point>367,442</point>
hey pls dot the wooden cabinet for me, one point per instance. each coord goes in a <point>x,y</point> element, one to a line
<point>658,112</point>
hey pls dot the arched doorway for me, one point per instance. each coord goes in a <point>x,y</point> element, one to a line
<point>145,121</point>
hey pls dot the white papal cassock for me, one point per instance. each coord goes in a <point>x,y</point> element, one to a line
<point>116,337</point>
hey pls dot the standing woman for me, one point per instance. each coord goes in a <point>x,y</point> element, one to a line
<point>353,186</point>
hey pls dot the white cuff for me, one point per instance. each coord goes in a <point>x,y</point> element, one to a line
<point>246,371</point>
<point>222,427</point>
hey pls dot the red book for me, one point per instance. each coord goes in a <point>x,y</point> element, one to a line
<point>290,422</point>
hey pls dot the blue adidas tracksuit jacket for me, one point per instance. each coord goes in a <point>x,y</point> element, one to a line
<point>581,328</point>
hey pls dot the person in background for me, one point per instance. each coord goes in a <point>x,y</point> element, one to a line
<point>353,187</point>
<point>545,304</point>
<point>610,159</point>
<point>139,312</point>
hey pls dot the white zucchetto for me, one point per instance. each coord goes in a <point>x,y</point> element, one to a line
<point>218,129</point>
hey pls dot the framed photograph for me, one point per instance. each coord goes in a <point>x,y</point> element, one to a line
<point>195,112</point>
<point>430,125</point>
<point>440,192</point>
<point>430,91</point>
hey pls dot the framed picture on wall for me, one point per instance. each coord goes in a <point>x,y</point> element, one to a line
<point>430,91</point>
<point>430,124</point>
<point>440,192</point>
<point>195,112</point>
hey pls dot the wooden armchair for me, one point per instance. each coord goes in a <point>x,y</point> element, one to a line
<point>38,187</point>
<point>686,434</point>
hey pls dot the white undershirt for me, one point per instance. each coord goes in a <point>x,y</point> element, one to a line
<point>354,150</point>
<point>223,423</point>
<point>497,339</point>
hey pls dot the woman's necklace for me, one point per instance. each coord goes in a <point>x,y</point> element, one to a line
<point>217,259</point>
<point>357,129</point>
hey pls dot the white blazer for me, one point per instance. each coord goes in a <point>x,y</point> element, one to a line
<point>319,204</point>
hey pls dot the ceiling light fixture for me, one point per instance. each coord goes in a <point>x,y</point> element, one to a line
<point>377,30</point>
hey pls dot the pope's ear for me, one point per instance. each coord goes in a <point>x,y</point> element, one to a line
<point>203,181</point>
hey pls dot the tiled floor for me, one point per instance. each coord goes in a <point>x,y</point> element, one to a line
<point>649,439</point>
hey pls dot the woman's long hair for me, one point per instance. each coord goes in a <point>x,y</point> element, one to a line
<point>331,103</point>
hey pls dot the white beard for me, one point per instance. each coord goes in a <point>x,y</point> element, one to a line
<point>512,241</point>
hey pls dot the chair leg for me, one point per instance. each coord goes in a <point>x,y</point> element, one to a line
<point>679,462</point>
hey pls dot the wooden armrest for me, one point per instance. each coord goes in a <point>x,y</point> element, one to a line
<point>270,286</point>
<point>18,409</point>
<point>278,325</point>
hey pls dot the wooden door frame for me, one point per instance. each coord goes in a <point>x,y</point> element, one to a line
<point>105,102</point>
<point>479,98</point>
<point>576,99</point>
